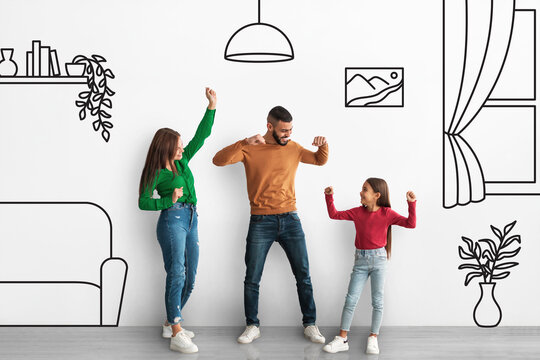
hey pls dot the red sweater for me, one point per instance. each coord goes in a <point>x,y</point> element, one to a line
<point>372,226</point>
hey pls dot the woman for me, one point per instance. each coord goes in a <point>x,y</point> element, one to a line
<point>166,169</point>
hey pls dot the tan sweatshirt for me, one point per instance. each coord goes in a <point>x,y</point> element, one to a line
<point>270,172</point>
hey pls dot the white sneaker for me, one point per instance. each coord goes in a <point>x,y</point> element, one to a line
<point>182,343</point>
<point>167,332</point>
<point>312,333</point>
<point>372,345</point>
<point>337,345</point>
<point>251,333</point>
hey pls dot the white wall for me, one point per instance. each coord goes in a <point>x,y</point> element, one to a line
<point>163,54</point>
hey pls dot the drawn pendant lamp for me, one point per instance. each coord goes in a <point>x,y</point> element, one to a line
<point>259,43</point>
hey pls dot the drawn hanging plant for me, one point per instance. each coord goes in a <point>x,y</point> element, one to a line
<point>488,256</point>
<point>96,100</point>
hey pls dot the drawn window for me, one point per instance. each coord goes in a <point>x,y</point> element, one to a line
<point>511,110</point>
<point>489,112</point>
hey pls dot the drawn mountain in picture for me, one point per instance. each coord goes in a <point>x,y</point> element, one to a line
<point>371,89</point>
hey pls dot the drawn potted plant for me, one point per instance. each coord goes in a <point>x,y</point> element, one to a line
<point>97,99</point>
<point>488,255</point>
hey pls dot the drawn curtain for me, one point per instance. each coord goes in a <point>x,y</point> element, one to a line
<point>477,36</point>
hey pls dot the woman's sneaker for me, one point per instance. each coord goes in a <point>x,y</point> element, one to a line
<point>251,333</point>
<point>372,345</point>
<point>182,343</point>
<point>167,332</point>
<point>336,345</point>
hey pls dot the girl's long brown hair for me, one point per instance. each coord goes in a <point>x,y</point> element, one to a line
<point>161,152</point>
<point>380,186</point>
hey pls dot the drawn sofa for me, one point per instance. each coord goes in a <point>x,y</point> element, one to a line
<point>57,267</point>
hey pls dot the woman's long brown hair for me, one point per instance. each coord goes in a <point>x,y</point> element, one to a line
<point>380,186</point>
<point>161,152</point>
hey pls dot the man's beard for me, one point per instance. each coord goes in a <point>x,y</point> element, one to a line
<point>277,138</point>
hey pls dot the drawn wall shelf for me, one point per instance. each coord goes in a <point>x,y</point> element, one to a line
<point>43,68</point>
<point>35,80</point>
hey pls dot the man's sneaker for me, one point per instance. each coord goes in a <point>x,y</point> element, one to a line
<point>251,333</point>
<point>312,333</point>
<point>167,332</point>
<point>337,345</point>
<point>372,345</point>
<point>181,342</point>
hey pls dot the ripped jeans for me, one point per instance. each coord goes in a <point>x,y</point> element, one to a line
<point>179,240</point>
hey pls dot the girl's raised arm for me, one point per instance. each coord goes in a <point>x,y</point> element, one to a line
<point>332,212</point>
<point>408,222</point>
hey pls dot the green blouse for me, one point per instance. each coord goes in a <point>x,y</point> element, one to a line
<point>165,183</point>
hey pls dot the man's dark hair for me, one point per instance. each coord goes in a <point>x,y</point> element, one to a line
<point>279,113</point>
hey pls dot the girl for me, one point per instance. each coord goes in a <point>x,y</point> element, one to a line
<point>373,246</point>
<point>166,169</point>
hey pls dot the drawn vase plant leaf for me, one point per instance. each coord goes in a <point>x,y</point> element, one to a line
<point>487,255</point>
<point>98,94</point>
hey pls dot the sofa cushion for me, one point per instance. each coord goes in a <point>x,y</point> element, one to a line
<point>53,242</point>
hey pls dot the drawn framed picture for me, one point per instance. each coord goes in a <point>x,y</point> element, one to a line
<point>374,87</point>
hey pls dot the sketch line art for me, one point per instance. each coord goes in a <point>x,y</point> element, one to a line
<point>533,152</point>
<point>259,43</point>
<point>112,270</point>
<point>97,99</point>
<point>8,67</point>
<point>477,39</point>
<point>486,257</point>
<point>521,15</point>
<point>374,87</point>
<point>43,68</point>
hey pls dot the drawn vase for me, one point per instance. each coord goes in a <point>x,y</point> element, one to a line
<point>8,67</point>
<point>487,312</point>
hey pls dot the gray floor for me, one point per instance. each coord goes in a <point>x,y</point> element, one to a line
<point>275,343</point>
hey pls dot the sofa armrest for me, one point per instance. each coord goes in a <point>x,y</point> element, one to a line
<point>113,274</point>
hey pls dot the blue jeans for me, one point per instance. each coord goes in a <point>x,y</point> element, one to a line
<point>367,263</point>
<point>286,229</point>
<point>179,240</point>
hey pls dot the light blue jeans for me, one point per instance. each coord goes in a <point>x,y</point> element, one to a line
<point>367,263</point>
<point>178,237</point>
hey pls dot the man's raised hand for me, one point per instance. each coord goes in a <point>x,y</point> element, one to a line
<point>319,141</point>
<point>256,140</point>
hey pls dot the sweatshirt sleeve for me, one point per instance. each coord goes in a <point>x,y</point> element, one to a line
<point>231,154</point>
<point>146,202</point>
<point>408,222</point>
<point>320,157</point>
<point>337,215</point>
<point>203,131</point>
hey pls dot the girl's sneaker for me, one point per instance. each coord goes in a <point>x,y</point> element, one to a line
<point>372,345</point>
<point>336,345</point>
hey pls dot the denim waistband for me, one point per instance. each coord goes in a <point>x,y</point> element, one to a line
<point>180,205</point>
<point>371,252</point>
<point>280,214</point>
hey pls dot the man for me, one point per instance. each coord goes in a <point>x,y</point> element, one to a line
<point>270,162</point>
